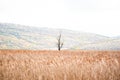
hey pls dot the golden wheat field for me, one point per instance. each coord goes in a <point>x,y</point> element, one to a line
<point>59,65</point>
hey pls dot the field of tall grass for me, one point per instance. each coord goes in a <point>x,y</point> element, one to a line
<point>59,65</point>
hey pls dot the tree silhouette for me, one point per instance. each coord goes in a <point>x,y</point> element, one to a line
<point>59,42</point>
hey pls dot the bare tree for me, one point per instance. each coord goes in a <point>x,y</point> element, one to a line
<point>59,42</point>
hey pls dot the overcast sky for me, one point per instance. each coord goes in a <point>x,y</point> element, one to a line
<point>96,16</point>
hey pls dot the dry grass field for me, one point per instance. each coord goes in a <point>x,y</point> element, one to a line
<point>59,65</point>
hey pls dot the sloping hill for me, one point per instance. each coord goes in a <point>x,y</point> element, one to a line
<point>14,36</point>
<point>113,44</point>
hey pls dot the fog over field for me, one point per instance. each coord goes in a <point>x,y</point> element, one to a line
<point>59,39</point>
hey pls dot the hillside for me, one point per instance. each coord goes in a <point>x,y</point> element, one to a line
<point>113,44</point>
<point>14,36</point>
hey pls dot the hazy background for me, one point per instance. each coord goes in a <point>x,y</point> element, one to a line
<point>96,16</point>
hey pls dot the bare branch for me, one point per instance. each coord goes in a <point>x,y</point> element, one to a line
<point>59,42</point>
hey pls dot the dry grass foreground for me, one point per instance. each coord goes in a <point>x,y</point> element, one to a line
<point>63,65</point>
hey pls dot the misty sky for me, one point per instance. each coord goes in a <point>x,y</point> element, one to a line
<point>96,16</point>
